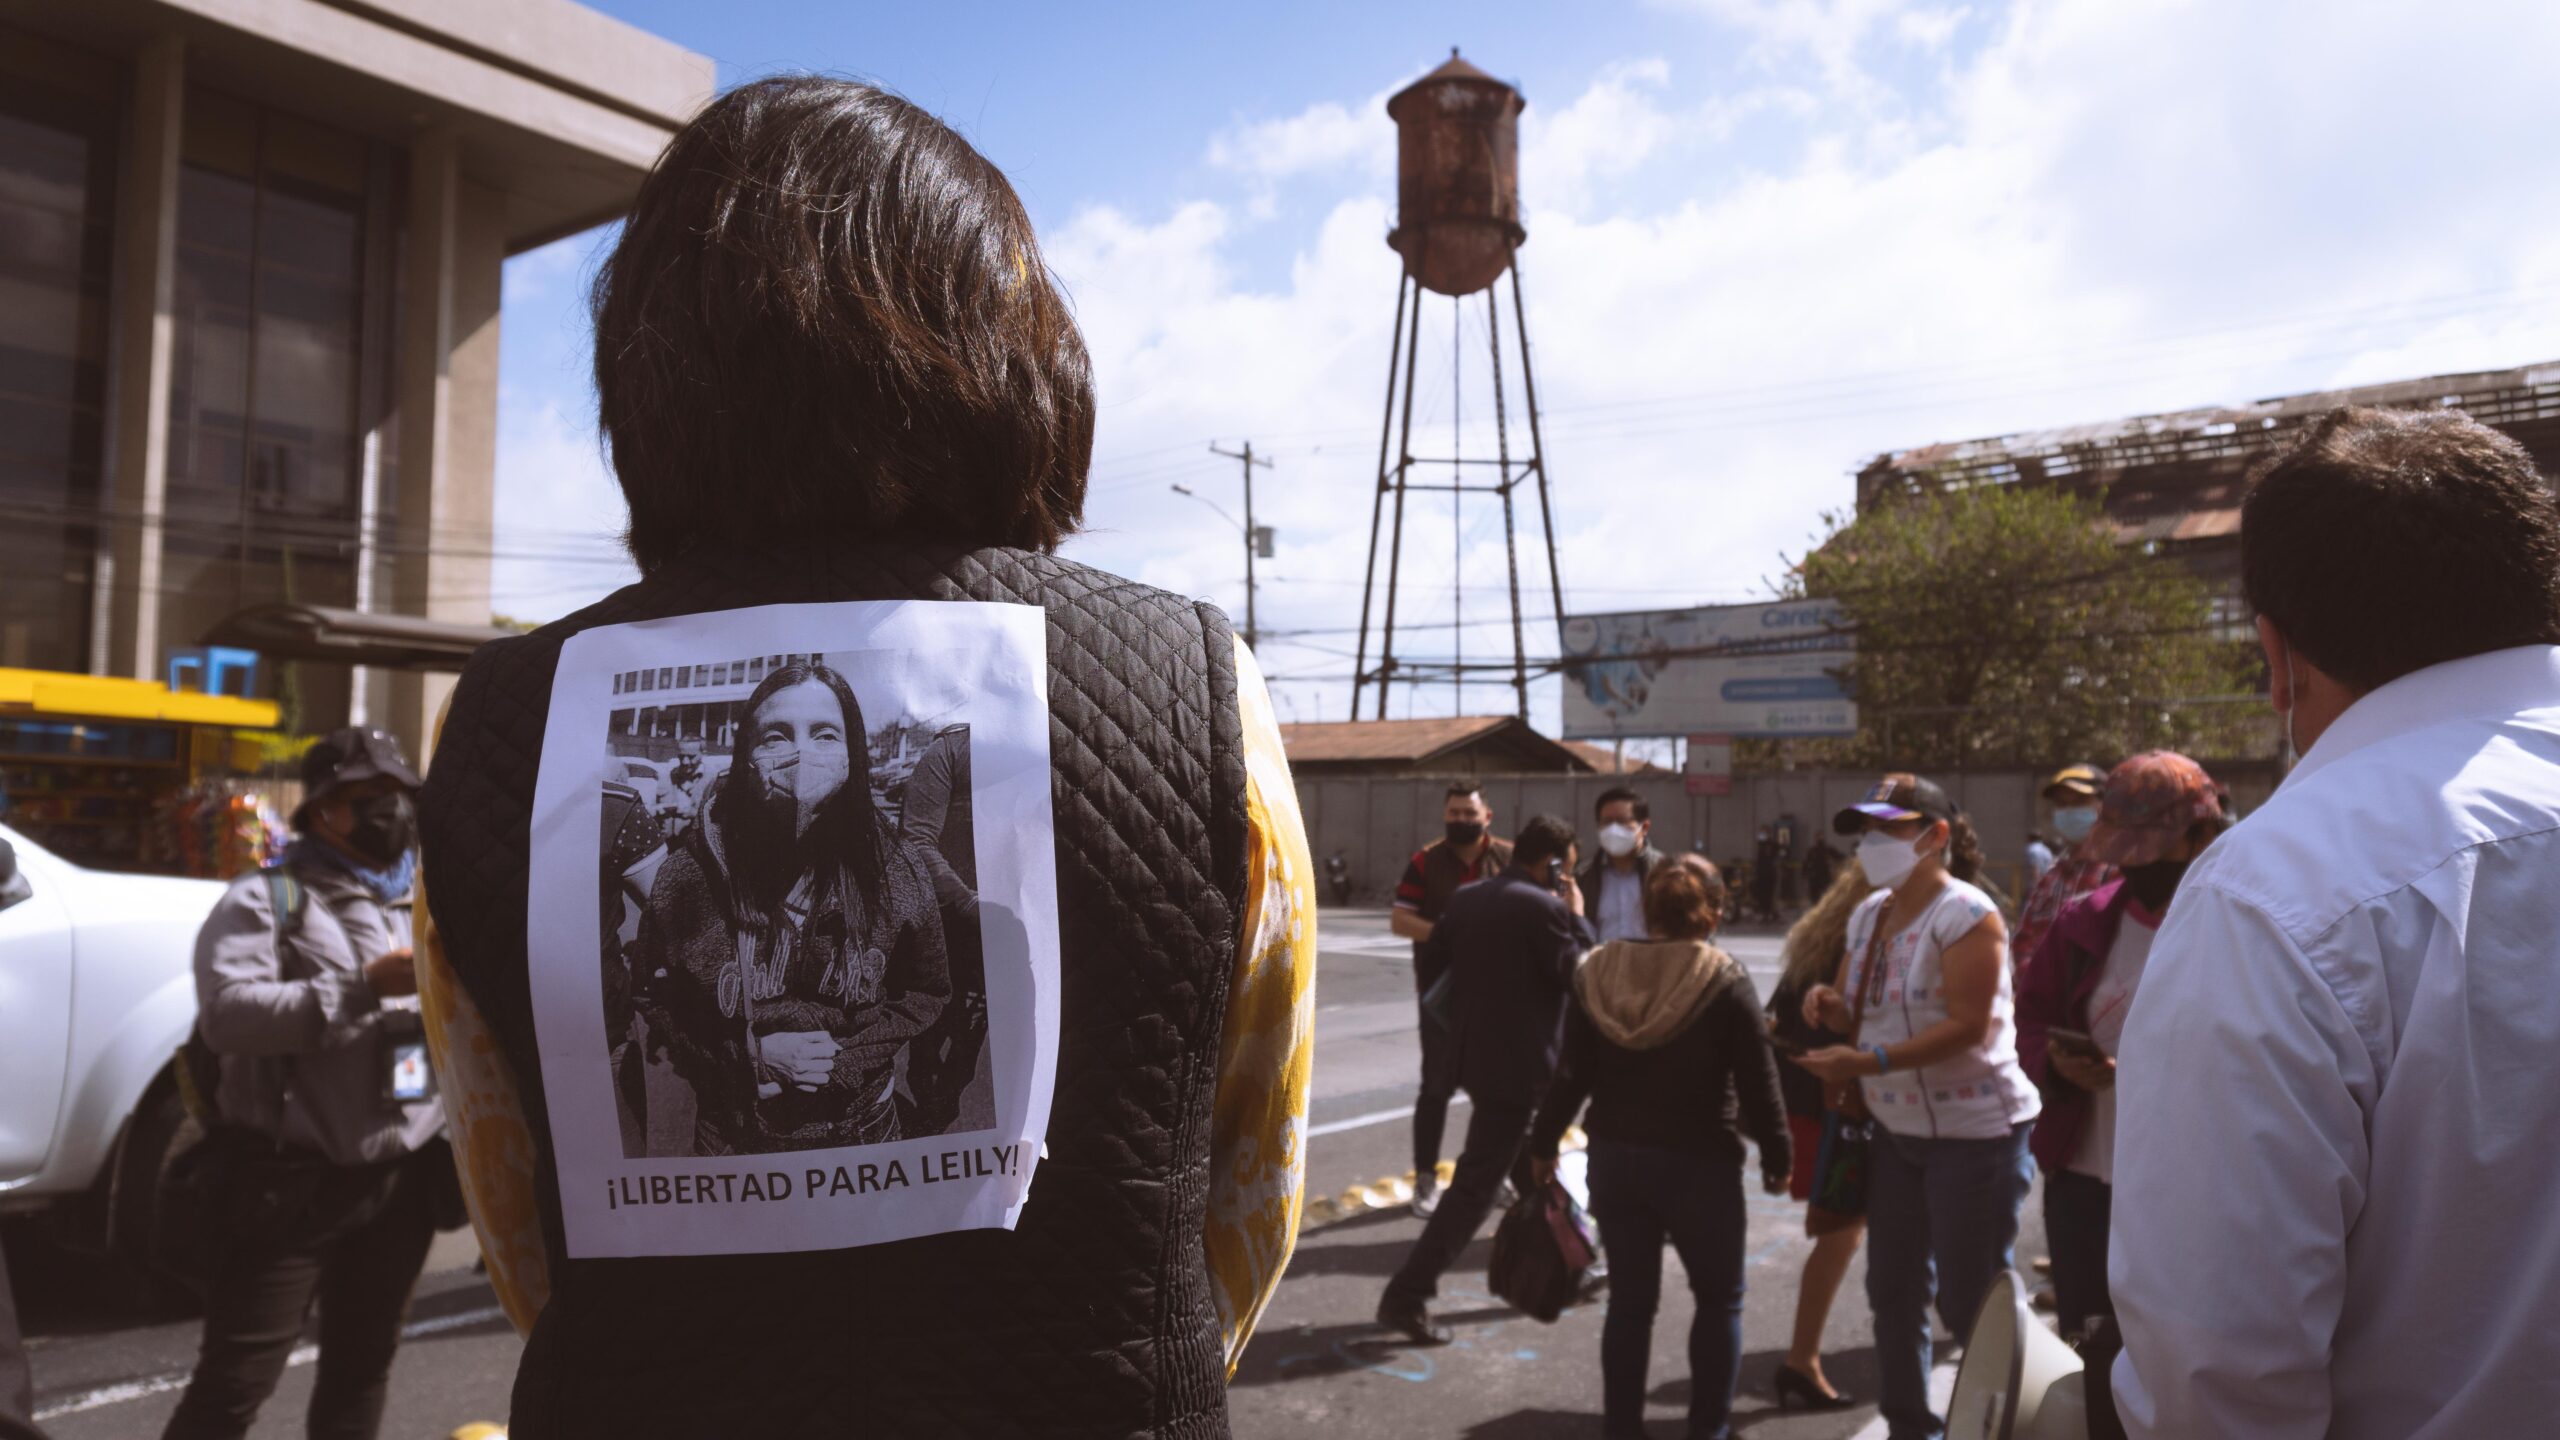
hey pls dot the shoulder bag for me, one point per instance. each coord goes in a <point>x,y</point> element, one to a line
<point>1840,1165</point>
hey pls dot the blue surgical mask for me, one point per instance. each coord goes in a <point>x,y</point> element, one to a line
<point>2074,822</point>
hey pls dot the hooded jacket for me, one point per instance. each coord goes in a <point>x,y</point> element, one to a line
<point>1666,1043</point>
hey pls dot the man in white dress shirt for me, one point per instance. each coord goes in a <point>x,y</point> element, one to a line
<point>2337,1161</point>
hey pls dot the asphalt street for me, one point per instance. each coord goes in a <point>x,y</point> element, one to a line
<point>1316,1358</point>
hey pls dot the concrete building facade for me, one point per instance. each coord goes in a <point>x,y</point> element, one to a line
<point>250,262</point>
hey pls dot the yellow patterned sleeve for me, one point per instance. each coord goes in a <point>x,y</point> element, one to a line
<point>484,1117</point>
<point>1258,1130</point>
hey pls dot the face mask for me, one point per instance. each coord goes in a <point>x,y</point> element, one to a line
<point>1619,840</point>
<point>385,827</point>
<point>2154,883</point>
<point>1463,833</point>
<point>1887,861</point>
<point>2075,822</point>
<point>807,776</point>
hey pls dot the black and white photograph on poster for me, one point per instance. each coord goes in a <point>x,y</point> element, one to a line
<point>815,1004</point>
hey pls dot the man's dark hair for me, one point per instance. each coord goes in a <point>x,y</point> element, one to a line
<point>1545,837</point>
<point>1616,793</point>
<point>2392,540</point>
<point>828,318</point>
<point>1461,790</point>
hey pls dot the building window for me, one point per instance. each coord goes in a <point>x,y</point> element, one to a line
<point>270,359</point>
<point>57,181</point>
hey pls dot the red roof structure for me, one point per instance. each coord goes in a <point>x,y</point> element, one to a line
<point>1451,745</point>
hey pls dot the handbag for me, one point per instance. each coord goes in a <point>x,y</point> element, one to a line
<point>1540,1252</point>
<point>1840,1165</point>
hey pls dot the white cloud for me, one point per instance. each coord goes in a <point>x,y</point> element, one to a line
<point>1610,130</point>
<point>1326,136</point>
<point>1930,28</point>
<point>558,512</point>
<point>2079,212</point>
<point>1783,33</point>
<point>2099,211</point>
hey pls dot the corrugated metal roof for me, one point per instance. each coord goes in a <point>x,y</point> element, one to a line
<point>2179,477</point>
<point>2493,396</point>
<point>1387,740</point>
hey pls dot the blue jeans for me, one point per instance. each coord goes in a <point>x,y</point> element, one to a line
<point>1642,1195</point>
<point>1942,1218</point>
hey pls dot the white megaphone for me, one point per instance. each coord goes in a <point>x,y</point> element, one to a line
<point>2019,1380</point>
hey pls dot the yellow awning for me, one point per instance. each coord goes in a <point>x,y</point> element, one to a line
<point>101,697</point>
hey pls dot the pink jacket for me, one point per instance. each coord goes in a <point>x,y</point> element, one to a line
<point>2053,990</point>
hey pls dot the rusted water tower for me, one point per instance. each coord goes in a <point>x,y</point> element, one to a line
<point>1458,231</point>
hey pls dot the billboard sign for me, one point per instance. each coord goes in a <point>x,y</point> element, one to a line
<point>1757,670</point>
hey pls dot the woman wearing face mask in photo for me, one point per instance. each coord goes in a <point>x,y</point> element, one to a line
<point>2073,794</point>
<point>2074,994</point>
<point>1925,987</point>
<point>797,938</point>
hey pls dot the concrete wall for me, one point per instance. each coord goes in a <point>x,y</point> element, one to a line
<point>1376,824</point>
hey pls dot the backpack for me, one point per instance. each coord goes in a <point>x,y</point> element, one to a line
<point>199,1068</point>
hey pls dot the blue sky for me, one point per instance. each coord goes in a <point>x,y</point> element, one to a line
<point>1768,239</point>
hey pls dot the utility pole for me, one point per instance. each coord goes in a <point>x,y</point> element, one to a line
<point>1257,541</point>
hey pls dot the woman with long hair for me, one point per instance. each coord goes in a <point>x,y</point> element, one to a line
<point>794,937</point>
<point>1812,954</point>
<point>1664,1040</point>
<point>1925,988</point>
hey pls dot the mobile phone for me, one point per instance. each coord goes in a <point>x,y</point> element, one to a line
<point>1555,872</point>
<point>2077,1042</point>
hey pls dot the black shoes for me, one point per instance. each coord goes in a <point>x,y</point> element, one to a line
<point>1791,1384</point>
<point>1412,1319</point>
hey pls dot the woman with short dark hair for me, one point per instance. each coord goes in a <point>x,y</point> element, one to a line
<point>1665,1041</point>
<point>832,367</point>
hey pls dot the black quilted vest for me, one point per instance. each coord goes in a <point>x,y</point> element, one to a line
<point>1093,1316</point>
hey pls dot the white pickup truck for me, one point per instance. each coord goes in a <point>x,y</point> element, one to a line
<point>97,992</point>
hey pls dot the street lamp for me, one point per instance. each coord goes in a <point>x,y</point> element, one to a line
<point>1257,538</point>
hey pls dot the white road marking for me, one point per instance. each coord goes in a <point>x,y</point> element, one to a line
<point>130,1390</point>
<point>1374,1117</point>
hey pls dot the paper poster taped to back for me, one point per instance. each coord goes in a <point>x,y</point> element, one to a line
<point>794,938</point>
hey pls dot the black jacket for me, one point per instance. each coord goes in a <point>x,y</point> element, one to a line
<point>1704,1089</point>
<point>1094,1315</point>
<point>1512,945</point>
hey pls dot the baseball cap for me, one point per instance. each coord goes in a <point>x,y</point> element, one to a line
<point>351,757</point>
<point>2075,782</point>
<point>1895,797</point>
<point>2150,801</point>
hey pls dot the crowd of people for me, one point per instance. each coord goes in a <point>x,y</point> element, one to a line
<point>2285,1080</point>
<point>2269,1038</point>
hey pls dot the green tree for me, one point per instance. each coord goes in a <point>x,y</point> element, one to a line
<point>2004,625</point>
